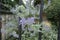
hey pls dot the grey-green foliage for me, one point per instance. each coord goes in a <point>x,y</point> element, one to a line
<point>21,11</point>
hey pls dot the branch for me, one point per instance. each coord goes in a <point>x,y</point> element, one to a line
<point>5,5</point>
<point>5,12</point>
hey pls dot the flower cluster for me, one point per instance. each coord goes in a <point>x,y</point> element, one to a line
<point>28,21</point>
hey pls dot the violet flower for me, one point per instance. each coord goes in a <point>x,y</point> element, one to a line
<point>30,20</point>
<point>23,22</point>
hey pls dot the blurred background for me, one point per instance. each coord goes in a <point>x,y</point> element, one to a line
<point>29,20</point>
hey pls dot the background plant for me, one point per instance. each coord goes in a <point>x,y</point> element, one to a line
<point>30,29</point>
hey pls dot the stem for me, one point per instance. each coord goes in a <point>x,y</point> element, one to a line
<point>41,11</point>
